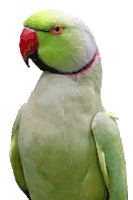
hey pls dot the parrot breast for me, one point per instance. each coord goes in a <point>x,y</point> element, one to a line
<point>56,143</point>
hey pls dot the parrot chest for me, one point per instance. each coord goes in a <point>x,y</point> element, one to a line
<point>56,144</point>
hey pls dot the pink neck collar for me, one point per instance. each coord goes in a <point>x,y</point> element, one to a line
<point>84,71</point>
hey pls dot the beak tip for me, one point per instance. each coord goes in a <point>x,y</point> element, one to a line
<point>26,61</point>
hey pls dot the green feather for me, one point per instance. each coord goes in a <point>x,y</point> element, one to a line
<point>64,144</point>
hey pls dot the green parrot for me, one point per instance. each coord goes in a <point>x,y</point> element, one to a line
<point>64,144</point>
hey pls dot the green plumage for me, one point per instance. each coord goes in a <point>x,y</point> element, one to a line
<point>110,143</point>
<point>15,155</point>
<point>63,51</point>
<point>64,144</point>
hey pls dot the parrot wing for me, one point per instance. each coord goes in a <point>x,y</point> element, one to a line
<point>15,155</point>
<point>110,153</point>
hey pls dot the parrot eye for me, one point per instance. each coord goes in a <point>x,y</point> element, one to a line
<point>56,30</point>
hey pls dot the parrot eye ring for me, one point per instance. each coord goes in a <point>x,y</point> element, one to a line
<point>56,30</point>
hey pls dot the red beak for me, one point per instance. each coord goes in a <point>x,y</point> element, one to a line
<point>28,43</point>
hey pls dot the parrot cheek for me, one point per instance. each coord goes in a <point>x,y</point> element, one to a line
<point>28,43</point>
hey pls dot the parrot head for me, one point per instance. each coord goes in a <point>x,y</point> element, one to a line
<point>58,42</point>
